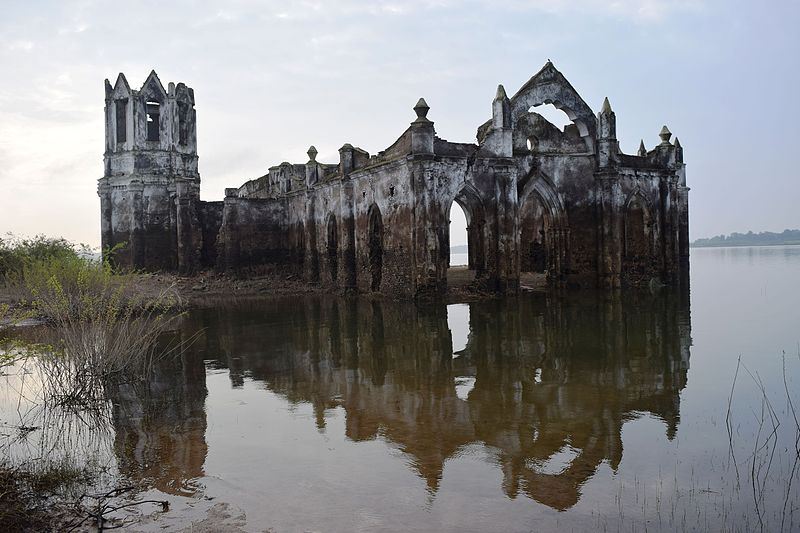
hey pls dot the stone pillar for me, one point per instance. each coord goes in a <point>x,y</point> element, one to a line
<point>507,251</point>
<point>502,134</point>
<point>312,168</point>
<point>422,132</point>
<point>427,253</point>
<point>347,235</point>
<point>136,201</point>
<point>185,226</point>
<point>106,212</point>
<point>312,253</point>
<point>346,159</point>
<point>611,230</point>
<point>229,259</point>
<point>607,144</point>
<point>429,269</point>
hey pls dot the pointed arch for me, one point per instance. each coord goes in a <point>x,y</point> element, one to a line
<point>549,86</point>
<point>543,228</point>
<point>332,247</point>
<point>153,90</point>
<point>469,199</point>
<point>638,227</point>
<point>539,184</point>
<point>375,246</point>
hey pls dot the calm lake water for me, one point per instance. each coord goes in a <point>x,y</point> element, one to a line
<point>537,413</point>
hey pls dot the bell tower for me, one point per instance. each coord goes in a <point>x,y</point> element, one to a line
<point>151,185</point>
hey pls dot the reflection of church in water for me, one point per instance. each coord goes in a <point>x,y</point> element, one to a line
<point>546,384</point>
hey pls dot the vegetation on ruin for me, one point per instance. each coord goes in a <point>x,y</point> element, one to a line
<point>97,329</point>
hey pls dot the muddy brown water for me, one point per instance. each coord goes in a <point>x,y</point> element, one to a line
<point>543,412</point>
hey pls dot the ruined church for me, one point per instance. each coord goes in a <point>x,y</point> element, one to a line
<point>566,204</point>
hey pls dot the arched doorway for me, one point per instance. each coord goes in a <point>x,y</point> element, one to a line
<point>375,247</point>
<point>463,254</point>
<point>333,248</point>
<point>543,231</point>
<point>534,227</point>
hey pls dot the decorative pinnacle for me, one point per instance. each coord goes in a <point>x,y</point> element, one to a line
<point>501,93</point>
<point>422,109</point>
<point>665,134</point>
<point>312,153</point>
<point>606,109</point>
<point>642,149</point>
<point>677,143</point>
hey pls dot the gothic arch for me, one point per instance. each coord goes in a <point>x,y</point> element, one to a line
<point>549,86</point>
<point>543,228</point>
<point>332,247</point>
<point>469,199</point>
<point>375,246</point>
<point>638,227</point>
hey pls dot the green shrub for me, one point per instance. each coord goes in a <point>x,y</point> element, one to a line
<point>15,254</point>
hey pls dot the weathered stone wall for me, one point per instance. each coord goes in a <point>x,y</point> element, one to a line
<point>210,219</point>
<point>253,232</point>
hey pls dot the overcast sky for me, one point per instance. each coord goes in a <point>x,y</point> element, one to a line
<point>273,77</point>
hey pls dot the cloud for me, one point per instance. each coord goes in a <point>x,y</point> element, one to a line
<point>20,46</point>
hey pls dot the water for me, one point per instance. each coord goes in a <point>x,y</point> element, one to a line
<point>537,413</point>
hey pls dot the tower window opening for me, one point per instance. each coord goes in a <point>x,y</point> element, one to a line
<point>153,123</point>
<point>121,109</point>
<point>183,123</point>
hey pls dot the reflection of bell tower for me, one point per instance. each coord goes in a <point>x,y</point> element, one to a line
<point>151,183</point>
<point>160,425</point>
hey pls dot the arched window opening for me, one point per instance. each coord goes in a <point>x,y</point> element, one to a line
<point>553,115</point>
<point>183,123</point>
<point>375,245</point>
<point>121,108</point>
<point>333,248</point>
<point>153,110</point>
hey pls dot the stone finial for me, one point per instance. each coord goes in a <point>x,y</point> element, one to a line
<point>606,109</point>
<point>677,143</point>
<point>501,93</point>
<point>312,153</point>
<point>665,135</point>
<point>642,150</point>
<point>422,109</point>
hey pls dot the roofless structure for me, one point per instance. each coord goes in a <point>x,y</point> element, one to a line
<point>566,203</point>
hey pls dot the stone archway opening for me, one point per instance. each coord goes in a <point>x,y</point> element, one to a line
<point>465,258</point>
<point>333,248</point>
<point>534,242</point>
<point>375,247</point>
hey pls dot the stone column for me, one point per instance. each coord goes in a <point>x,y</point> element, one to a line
<point>135,194</point>
<point>347,235</point>
<point>106,211</point>
<point>428,276</point>
<point>312,253</point>
<point>229,258</point>
<point>610,253</point>
<point>507,229</point>
<point>185,230</point>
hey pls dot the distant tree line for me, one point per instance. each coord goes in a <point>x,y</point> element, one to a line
<point>765,238</point>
